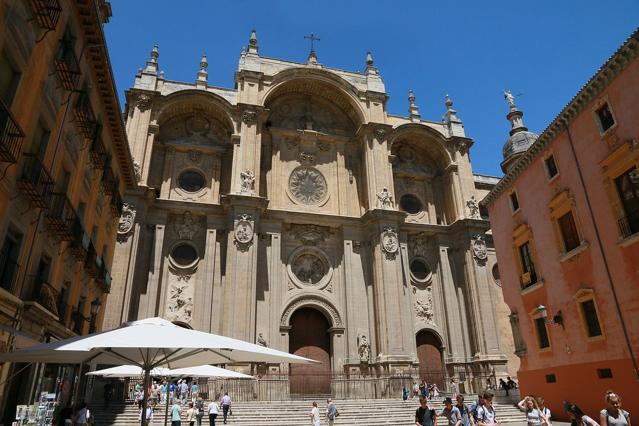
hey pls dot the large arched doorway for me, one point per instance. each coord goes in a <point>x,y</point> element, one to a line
<point>309,338</point>
<point>429,354</point>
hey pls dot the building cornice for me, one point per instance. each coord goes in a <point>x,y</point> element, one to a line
<point>597,83</point>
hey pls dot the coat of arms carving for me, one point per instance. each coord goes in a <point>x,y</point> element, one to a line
<point>390,242</point>
<point>244,231</point>
<point>480,250</point>
<point>126,221</point>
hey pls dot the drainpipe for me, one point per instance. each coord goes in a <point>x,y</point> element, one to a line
<point>603,256</point>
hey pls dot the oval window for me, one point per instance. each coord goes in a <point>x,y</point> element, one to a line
<point>419,269</point>
<point>191,181</point>
<point>410,204</point>
<point>184,254</point>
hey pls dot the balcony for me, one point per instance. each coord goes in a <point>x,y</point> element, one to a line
<point>8,272</point>
<point>84,116</point>
<point>103,279</point>
<point>10,136</point>
<point>629,224</point>
<point>98,156</point>
<point>90,262</point>
<point>61,217</point>
<point>108,184</point>
<point>47,13</point>
<point>45,295</point>
<point>66,65</point>
<point>78,322</point>
<point>35,181</point>
<point>76,247</point>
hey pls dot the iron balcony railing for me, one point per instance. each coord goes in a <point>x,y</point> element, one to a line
<point>103,279</point>
<point>45,295</point>
<point>629,224</point>
<point>90,262</point>
<point>10,135</point>
<point>61,217</point>
<point>108,183</point>
<point>47,13</point>
<point>78,322</point>
<point>35,181</point>
<point>98,155</point>
<point>9,268</point>
<point>84,116</point>
<point>76,246</point>
<point>66,65</point>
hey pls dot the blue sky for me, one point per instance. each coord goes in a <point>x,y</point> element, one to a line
<point>472,50</point>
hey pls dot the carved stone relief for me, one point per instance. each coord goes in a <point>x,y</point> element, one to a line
<point>243,231</point>
<point>310,234</point>
<point>248,182</point>
<point>323,305</point>
<point>309,267</point>
<point>473,208</point>
<point>424,306</point>
<point>307,159</point>
<point>261,341</point>
<point>385,199</point>
<point>307,185</point>
<point>143,102</point>
<point>363,348</point>
<point>179,305</point>
<point>302,114</point>
<point>186,226</point>
<point>249,117</point>
<point>126,221</point>
<point>480,251</point>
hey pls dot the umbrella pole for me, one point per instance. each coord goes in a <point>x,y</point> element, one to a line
<point>166,409</point>
<point>76,386</point>
<point>145,392</point>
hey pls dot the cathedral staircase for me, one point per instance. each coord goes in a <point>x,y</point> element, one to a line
<point>355,412</point>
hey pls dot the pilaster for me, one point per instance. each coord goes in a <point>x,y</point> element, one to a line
<point>378,168</point>
<point>154,282</point>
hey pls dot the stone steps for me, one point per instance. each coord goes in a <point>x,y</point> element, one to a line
<point>295,413</point>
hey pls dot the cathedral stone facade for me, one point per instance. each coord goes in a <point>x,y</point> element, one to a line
<point>293,211</point>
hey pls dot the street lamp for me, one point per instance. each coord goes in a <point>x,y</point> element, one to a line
<point>557,319</point>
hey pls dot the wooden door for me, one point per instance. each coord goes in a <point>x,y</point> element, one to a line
<point>309,338</point>
<point>429,354</point>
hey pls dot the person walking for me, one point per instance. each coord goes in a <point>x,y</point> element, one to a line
<point>454,388</point>
<point>415,390</point>
<point>195,389</point>
<point>534,416</point>
<point>149,416</point>
<point>176,414</point>
<point>478,403</point>
<point>544,410</point>
<point>504,386</point>
<point>451,413</point>
<point>613,415</point>
<point>577,417</point>
<point>425,416</point>
<point>184,391</point>
<point>199,407</point>
<point>315,415</point>
<point>486,413</point>
<point>467,418</point>
<point>331,412</point>
<point>82,414</point>
<point>191,414</point>
<point>226,406</point>
<point>213,411</point>
<point>404,394</point>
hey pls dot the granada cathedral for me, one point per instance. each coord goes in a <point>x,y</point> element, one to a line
<point>293,211</point>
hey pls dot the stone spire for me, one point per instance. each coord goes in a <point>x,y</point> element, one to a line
<point>413,109</point>
<point>370,65</point>
<point>252,45</point>
<point>152,63</point>
<point>520,138</point>
<point>451,115</point>
<point>202,74</point>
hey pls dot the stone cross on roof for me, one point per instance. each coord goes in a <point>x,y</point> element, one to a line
<point>312,57</point>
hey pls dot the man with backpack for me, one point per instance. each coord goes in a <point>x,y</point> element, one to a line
<point>331,412</point>
<point>425,416</point>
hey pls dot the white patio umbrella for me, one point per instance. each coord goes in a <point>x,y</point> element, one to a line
<point>208,371</point>
<point>151,343</point>
<point>128,371</point>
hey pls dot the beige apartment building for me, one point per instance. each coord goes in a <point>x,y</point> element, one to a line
<point>64,163</point>
<point>293,211</point>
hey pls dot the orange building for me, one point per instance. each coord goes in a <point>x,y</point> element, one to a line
<point>565,223</point>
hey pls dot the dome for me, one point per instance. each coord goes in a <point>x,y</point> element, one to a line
<point>519,143</point>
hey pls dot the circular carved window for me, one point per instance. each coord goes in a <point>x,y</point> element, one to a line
<point>309,266</point>
<point>191,181</point>
<point>419,270</point>
<point>410,204</point>
<point>184,255</point>
<point>307,185</point>
<point>496,276</point>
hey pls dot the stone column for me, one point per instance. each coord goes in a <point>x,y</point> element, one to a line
<point>378,171</point>
<point>167,173</point>
<point>204,293</point>
<point>155,275</point>
<point>247,156</point>
<point>455,337</point>
<point>148,153</point>
<point>243,219</point>
<point>393,323</point>
<point>430,201</point>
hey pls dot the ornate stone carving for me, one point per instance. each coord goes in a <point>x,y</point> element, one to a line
<point>248,182</point>
<point>197,124</point>
<point>473,208</point>
<point>180,303</point>
<point>195,155</point>
<point>390,242</point>
<point>186,226</point>
<point>424,308</point>
<point>363,348</point>
<point>463,146</point>
<point>303,114</point>
<point>125,222</point>
<point>309,268</point>
<point>479,248</point>
<point>143,102</point>
<point>307,185</point>
<point>307,159</point>
<point>261,341</point>
<point>323,305</point>
<point>244,232</point>
<point>323,146</point>
<point>385,199</point>
<point>310,234</point>
<point>249,117</point>
<point>380,134</point>
<point>137,171</point>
